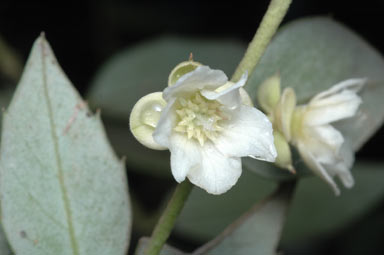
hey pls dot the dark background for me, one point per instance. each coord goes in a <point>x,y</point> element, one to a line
<point>84,34</point>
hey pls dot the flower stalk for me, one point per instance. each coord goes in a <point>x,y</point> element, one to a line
<point>268,26</point>
<point>271,20</point>
<point>167,220</point>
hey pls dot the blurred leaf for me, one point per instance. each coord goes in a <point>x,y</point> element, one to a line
<point>314,54</point>
<point>271,171</point>
<point>10,61</point>
<point>138,71</point>
<point>63,190</point>
<point>369,118</point>
<point>167,250</point>
<point>205,216</point>
<point>4,247</point>
<point>256,232</point>
<point>138,157</point>
<point>316,211</point>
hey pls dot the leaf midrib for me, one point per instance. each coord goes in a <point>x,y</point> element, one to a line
<point>64,193</point>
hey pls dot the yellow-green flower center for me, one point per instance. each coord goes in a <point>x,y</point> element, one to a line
<point>199,118</point>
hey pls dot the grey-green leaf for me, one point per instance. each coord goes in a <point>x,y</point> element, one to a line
<point>63,189</point>
<point>258,231</point>
<point>4,247</point>
<point>138,71</point>
<point>314,54</point>
<point>314,203</point>
<point>166,250</point>
<point>205,216</point>
<point>319,213</point>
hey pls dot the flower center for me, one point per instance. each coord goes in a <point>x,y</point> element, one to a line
<point>199,118</point>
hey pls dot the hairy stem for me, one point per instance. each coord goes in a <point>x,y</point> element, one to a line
<point>269,24</point>
<point>167,220</point>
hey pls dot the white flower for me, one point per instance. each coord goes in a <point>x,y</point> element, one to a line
<point>322,146</point>
<point>207,128</point>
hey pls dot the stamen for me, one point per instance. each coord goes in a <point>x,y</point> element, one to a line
<point>199,118</point>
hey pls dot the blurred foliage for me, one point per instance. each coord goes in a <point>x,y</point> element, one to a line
<point>350,224</point>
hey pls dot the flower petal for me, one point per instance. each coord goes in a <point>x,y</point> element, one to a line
<point>284,111</point>
<point>217,173</point>
<point>323,142</point>
<point>228,94</point>
<point>329,136</point>
<point>353,85</point>
<point>164,127</point>
<point>248,133</point>
<point>185,155</point>
<point>316,167</point>
<point>202,77</point>
<point>339,102</point>
<point>343,166</point>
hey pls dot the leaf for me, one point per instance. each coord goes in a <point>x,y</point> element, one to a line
<point>315,210</point>
<point>256,232</point>
<point>166,250</point>
<point>314,54</point>
<point>4,247</point>
<point>63,190</point>
<point>138,71</point>
<point>205,216</point>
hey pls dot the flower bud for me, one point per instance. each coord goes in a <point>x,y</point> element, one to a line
<point>181,69</point>
<point>284,157</point>
<point>144,117</point>
<point>269,93</point>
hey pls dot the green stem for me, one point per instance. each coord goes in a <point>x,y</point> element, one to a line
<point>167,220</point>
<point>271,21</point>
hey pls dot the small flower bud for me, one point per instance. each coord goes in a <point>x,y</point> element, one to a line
<point>284,157</point>
<point>181,69</point>
<point>269,93</point>
<point>144,117</point>
<point>282,114</point>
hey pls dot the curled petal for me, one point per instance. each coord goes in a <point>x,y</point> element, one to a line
<point>216,173</point>
<point>248,133</point>
<point>341,168</point>
<point>323,142</point>
<point>353,85</point>
<point>201,78</point>
<point>329,136</point>
<point>317,168</point>
<point>228,94</point>
<point>339,102</point>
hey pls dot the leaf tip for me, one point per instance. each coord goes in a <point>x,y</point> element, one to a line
<point>42,35</point>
